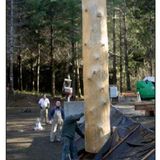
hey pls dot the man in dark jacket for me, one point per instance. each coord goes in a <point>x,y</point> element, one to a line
<point>70,126</point>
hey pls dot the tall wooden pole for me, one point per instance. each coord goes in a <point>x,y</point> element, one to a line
<point>96,75</point>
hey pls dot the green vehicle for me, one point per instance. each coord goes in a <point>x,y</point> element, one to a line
<point>146,89</point>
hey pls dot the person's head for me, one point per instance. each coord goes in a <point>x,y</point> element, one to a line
<point>58,103</point>
<point>44,96</point>
<point>38,120</point>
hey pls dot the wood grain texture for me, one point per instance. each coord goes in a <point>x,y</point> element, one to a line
<point>95,74</point>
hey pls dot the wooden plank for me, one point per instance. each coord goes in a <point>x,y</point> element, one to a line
<point>148,106</point>
<point>145,105</point>
<point>129,94</point>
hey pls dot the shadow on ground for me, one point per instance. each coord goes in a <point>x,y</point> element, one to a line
<point>42,149</point>
<point>23,143</point>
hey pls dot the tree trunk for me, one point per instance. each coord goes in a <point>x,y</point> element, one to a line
<point>114,50</point>
<point>38,67</point>
<point>121,56</point>
<point>73,52</point>
<point>78,80</point>
<point>32,77</point>
<point>11,48</point>
<point>95,74</point>
<point>20,73</point>
<point>52,62</point>
<point>150,61</point>
<point>53,82</point>
<point>151,53</point>
<point>21,81</point>
<point>126,55</point>
<point>73,75</point>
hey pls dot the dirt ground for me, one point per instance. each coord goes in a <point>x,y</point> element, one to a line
<point>23,143</point>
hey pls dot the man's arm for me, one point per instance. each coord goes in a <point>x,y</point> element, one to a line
<point>48,103</point>
<point>74,118</point>
<point>39,103</point>
<point>52,112</point>
<point>79,131</point>
<point>62,112</point>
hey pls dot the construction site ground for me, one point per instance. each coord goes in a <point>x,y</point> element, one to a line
<point>23,143</point>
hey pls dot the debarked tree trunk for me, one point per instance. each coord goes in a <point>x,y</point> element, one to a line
<point>95,74</point>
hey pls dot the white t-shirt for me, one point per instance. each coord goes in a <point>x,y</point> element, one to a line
<point>44,102</point>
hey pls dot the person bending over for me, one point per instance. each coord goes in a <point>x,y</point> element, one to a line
<point>70,126</point>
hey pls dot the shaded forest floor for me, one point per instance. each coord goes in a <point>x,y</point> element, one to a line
<point>23,143</point>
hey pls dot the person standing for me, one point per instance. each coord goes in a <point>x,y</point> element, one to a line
<point>57,122</point>
<point>44,105</point>
<point>70,126</point>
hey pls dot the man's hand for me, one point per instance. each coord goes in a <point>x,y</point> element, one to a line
<point>69,157</point>
<point>82,114</point>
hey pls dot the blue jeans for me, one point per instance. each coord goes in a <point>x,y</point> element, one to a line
<point>69,150</point>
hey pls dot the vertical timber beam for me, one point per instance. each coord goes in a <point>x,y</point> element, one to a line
<point>95,74</point>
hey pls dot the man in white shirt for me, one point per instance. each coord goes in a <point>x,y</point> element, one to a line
<point>44,104</point>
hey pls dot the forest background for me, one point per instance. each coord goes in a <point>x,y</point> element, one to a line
<point>44,44</point>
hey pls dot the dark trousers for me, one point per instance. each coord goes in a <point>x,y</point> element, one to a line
<point>69,150</point>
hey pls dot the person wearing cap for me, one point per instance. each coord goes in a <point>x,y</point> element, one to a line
<point>57,122</point>
<point>44,105</point>
<point>70,127</point>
